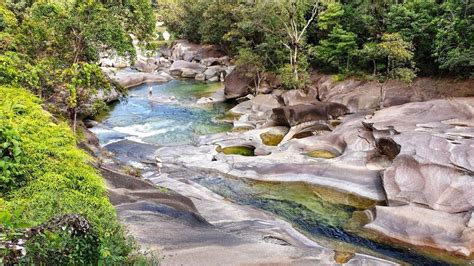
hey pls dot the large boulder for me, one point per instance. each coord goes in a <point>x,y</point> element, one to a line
<point>237,84</point>
<point>183,50</point>
<point>187,51</point>
<point>423,227</point>
<point>295,97</point>
<point>300,113</point>
<point>430,183</point>
<point>128,78</point>
<point>439,187</point>
<point>359,95</point>
<point>256,111</point>
<point>214,71</point>
<point>186,69</point>
<point>147,65</point>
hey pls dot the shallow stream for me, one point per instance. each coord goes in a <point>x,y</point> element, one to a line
<point>170,117</point>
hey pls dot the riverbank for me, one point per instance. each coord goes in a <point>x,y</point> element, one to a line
<point>53,204</point>
<point>200,155</point>
<point>204,232</point>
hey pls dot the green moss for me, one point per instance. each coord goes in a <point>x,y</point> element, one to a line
<point>331,206</point>
<point>57,177</point>
<point>270,139</point>
<point>229,117</point>
<point>322,154</point>
<point>241,129</point>
<point>238,150</point>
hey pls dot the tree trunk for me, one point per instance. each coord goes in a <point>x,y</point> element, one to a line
<point>382,94</point>
<point>295,63</point>
<point>347,63</point>
<point>74,122</point>
<point>375,67</point>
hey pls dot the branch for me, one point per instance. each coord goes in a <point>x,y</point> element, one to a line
<point>314,12</point>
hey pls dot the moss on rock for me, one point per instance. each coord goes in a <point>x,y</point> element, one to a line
<point>325,154</point>
<point>271,139</point>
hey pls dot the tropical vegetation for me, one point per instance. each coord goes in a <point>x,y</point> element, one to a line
<point>383,39</point>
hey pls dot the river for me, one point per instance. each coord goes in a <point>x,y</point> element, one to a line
<point>171,117</point>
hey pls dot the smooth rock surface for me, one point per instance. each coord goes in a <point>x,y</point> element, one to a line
<point>423,227</point>
<point>300,113</point>
<point>237,84</point>
<point>128,79</point>
<point>186,69</point>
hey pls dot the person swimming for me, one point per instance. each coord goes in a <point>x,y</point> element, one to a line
<point>150,91</point>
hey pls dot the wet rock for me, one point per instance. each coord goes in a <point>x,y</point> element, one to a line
<point>324,154</point>
<point>200,77</point>
<point>342,257</point>
<point>273,136</point>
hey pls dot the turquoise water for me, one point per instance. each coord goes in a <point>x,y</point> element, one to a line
<point>170,116</point>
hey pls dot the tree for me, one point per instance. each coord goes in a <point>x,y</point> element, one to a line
<point>398,55</point>
<point>254,66</point>
<point>218,19</point>
<point>415,21</point>
<point>338,49</point>
<point>82,82</point>
<point>453,47</point>
<point>295,25</point>
<point>371,53</point>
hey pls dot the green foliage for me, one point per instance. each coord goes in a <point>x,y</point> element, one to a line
<point>58,177</point>
<point>330,17</point>
<point>415,21</point>
<point>184,17</point>
<point>344,32</point>
<point>455,37</point>
<point>62,247</point>
<point>7,19</point>
<point>10,157</point>
<point>41,41</point>
<point>338,49</point>
<point>399,56</point>
<point>288,78</point>
<point>72,34</point>
<point>219,17</point>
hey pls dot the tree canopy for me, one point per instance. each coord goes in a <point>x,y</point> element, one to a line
<point>339,38</point>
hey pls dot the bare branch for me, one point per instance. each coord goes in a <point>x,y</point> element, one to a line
<point>314,12</point>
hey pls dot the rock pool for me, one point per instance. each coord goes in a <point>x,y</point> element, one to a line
<point>172,117</point>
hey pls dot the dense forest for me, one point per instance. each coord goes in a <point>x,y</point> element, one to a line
<point>388,39</point>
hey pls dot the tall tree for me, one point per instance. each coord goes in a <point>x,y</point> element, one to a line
<point>296,22</point>
<point>398,55</point>
<point>338,49</point>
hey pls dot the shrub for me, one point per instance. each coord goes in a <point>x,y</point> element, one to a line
<point>57,177</point>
